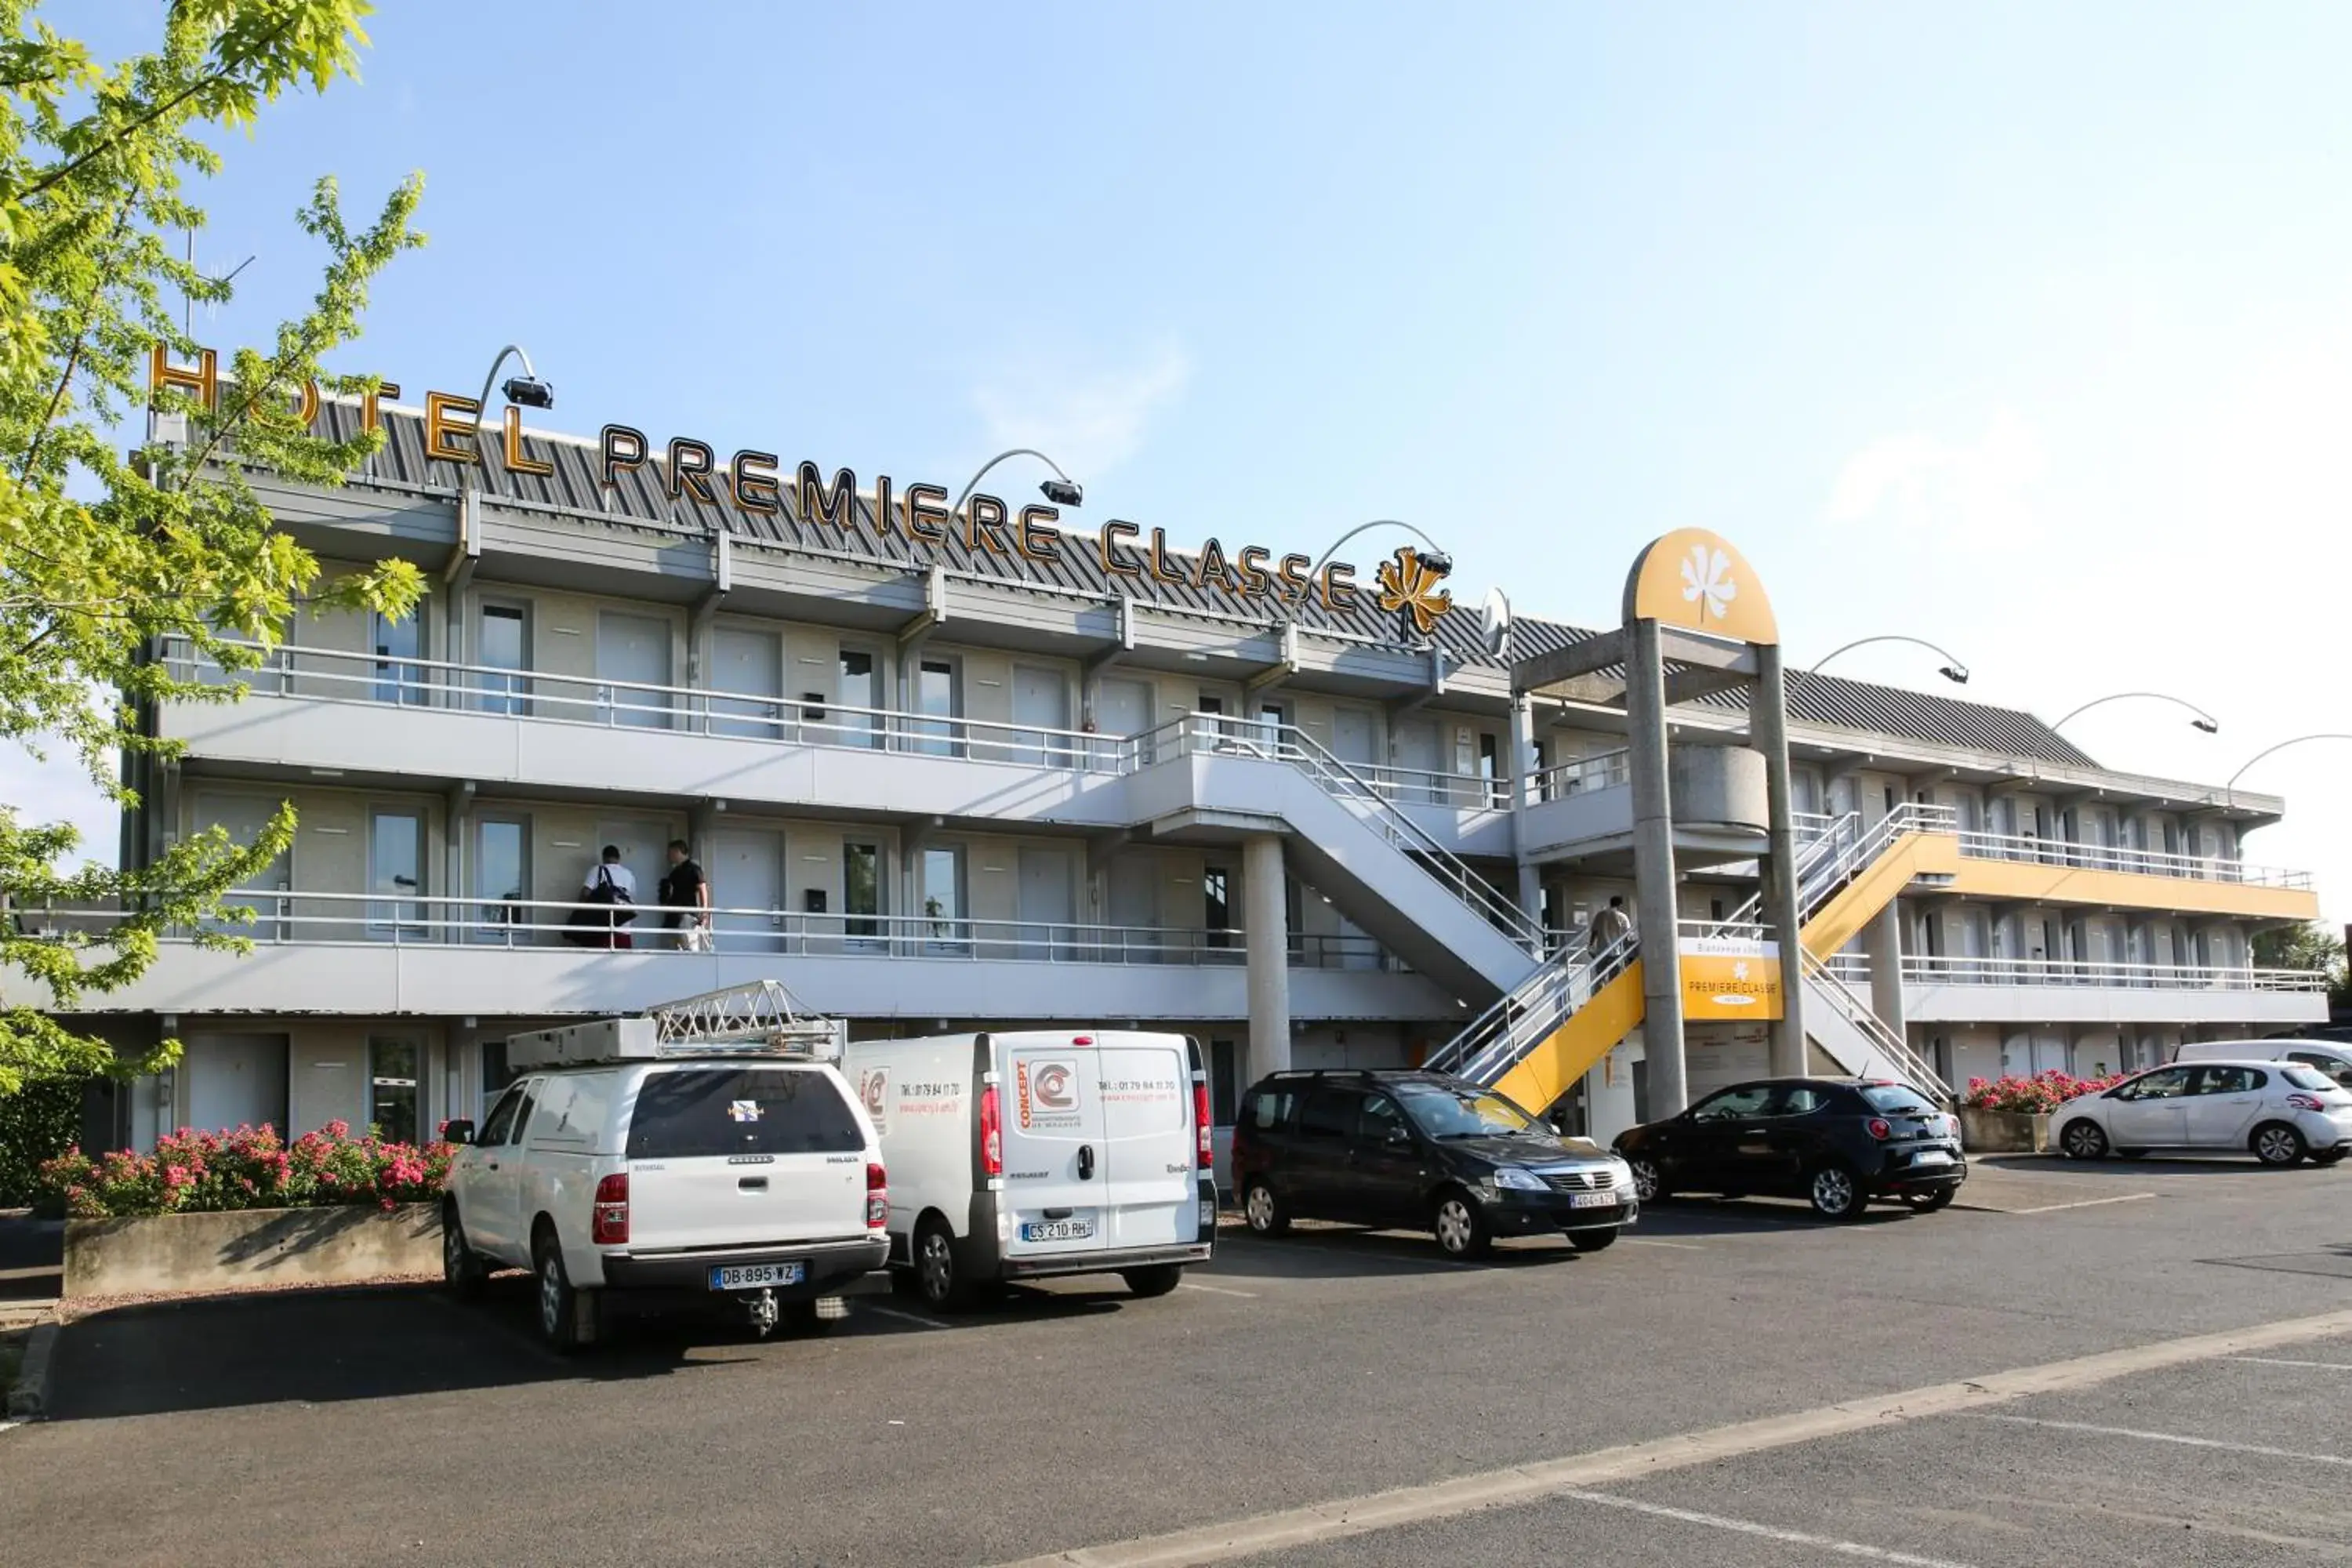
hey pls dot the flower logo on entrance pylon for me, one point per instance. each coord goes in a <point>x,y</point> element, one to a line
<point>1409,583</point>
<point>1739,970</point>
<point>1706,576</point>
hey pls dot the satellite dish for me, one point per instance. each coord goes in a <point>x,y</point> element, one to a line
<point>1495,624</point>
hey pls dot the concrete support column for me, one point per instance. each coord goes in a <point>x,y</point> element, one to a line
<point>1882,940</point>
<point>1520,790</point>
<point>1654,873</point>
<point>1767,729</point>
<point>1269,937</point>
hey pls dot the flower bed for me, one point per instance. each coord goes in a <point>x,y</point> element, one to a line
<point>2037,1095</point>
<point>252,1168</point>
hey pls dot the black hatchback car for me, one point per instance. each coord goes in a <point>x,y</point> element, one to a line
<point>1836,1141</point>
<point>1419,1150</point>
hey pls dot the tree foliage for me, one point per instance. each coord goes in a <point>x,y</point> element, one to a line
<point>2308,946</point>
<point>101,554</point>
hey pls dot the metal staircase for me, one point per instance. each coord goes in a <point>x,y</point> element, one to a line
<point>1828,861</point>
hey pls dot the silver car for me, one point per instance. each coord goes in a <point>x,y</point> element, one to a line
<point>2279,1111</point>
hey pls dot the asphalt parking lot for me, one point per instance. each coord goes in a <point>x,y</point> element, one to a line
<point>1734,1383</point>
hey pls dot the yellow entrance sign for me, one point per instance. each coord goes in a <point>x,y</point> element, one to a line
<point>1699,580</point>
<point>1729,981</point>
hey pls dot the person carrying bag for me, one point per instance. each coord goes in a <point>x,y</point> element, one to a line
<point>615,887</point>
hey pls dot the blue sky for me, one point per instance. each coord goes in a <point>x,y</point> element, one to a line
<point>2021,328</point>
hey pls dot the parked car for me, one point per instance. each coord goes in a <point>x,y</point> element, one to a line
<point>1410,1150</point>
<point>1017,1155</point>
<point>617,1165</point>
<point>1837,1143</point>
<point>2334,1059</point>
<point>2282,1112</point>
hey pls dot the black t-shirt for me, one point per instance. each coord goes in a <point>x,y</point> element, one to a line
<point>679,888</point>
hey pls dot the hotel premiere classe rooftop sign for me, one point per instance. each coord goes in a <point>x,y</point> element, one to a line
<point>1407,584</point>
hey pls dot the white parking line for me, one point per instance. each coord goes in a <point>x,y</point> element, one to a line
<point>1645,1241</point>
<point>2181,1439</point>
<point>2083,1204</point>
<point>1770,1532</point>
<point>1253,1535</point>
<point>1218,1291</point>
<point>2275,1361</point>
<point>916,1318</point>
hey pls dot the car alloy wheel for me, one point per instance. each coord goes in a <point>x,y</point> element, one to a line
<point>2278,1145</point>
<point>2083,1140</point>
<point>935,1270</point>
<point>1834,1194</point>
<point>1645,1179</point>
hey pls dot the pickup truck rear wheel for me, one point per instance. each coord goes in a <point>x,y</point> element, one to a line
<point>462,1269</point>
<point>560,1306</point>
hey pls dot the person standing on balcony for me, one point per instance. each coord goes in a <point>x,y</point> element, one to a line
<point>614,884</point>
<point>1609,927</point>
<point>686,899</point>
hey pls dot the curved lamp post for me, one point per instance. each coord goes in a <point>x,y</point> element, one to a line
<point>1061,490</point>
<point>2282,746</point>
<point>1952,670</point>
<point>526,389</point>
<point>1437,555</point>
<point>2200,720</point>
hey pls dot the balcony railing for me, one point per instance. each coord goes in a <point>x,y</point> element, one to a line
<point>1582,775</point>
<point>297,916</point>
<point>1925,969</point>
<point>2030,848</point>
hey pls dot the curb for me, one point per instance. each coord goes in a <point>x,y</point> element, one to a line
<point>28,1400</point>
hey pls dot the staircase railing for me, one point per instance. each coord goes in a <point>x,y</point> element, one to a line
<point>1495,1041</point>
<point>1289,743</point>
<point>1830,859</point>
<point>1907,1063</point>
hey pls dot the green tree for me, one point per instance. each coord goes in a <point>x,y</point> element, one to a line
<point>2307,946</point>
<point>101,554</point>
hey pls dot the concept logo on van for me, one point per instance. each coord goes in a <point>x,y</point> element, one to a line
<point>1046,1094</point>
<point>874,1091</point>
<point>1057,1087</point>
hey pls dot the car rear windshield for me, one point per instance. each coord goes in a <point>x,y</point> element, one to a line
<point>741,1110</point>
<point>1896,1099</point>
<point>2306,1077</point>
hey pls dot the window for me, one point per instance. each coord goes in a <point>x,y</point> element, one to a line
<point>500,881</point>
<point>1894,1100</point>
<point>501,1125</point>
<point>1490,767</point>
<point>1379,1117</point>
<point>1222,1079</point>
<point>2164,1083</point>
<point>501,643</point>
<point>391,1089</point>
<point>704,1111</point>
<point>1799,1099</point>
<point>398,645</point>
<point>2307,1077</point>
<point>523,1111</point>
<point>1268,1109</point>
<point>861,688</point>
<point>2230,1081</point>
<point>2335,1067</point>
<point>496,1074</point>
<point>1217,904</point>
<point>1734,1104</point>
<point>1443,1113</point>
<point>396,873</point>
<point>938,697</point>
<point>943,899</point>
<point>1329,1112</point>
<point>861,890</point>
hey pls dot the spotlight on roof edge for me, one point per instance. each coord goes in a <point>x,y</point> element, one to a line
<point>1438,562</point>
<point>1063,492</point>
<point>2207,725</point>
<point>530,392</point>
<point>1957,674</point>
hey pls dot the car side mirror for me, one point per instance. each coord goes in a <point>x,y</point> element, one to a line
<point>459,1131</point>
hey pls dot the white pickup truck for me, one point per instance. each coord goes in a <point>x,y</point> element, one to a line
<point>752,1174</point>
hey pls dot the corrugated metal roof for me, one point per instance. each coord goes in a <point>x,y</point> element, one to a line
<point>639,502</point>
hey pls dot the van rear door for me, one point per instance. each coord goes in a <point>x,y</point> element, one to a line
<point>1055,1175</point>
<point>721,1155</point>
<point>1150,1180</point>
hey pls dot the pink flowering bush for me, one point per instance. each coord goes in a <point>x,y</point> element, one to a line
<point>251,1168</point>
<point>2036,1096</point>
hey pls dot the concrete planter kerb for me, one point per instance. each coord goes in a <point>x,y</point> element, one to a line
<point>2004,1131</point>
<point>196,1252</point>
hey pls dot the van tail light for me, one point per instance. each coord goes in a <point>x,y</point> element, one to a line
<point>878,1196</point>
<point>992,1131</point>
<point>1207,1144</point>
<point>1881,1129</point>
<point>610,1226</point>
<point>2306,1102</point>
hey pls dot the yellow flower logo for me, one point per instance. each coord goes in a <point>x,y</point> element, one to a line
<point>1410,584</point>
<point>1708,573</point>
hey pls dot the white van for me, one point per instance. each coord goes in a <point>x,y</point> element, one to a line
<point>623,1161</point>
<point>2330,1057</point>
<point>1022,1154</point>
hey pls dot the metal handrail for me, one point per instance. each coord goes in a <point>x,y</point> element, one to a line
<point>304,917</point>
<point>1580,776</point>
<point>1935,969</point>
<point>2070,852</point>
<point>1495,1041</point>
<point>1922,1076</point>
